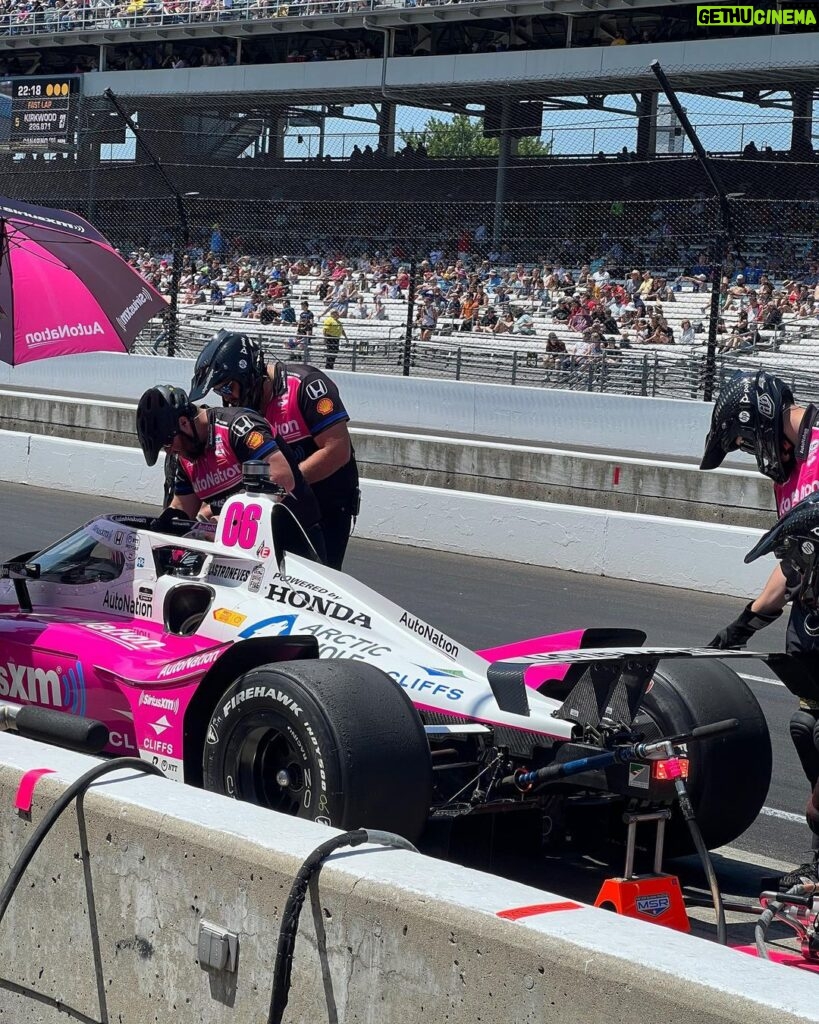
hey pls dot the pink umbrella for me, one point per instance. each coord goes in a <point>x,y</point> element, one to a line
<point>63,288</point>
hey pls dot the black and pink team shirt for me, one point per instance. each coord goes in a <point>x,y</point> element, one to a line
<point>309,404</point>
<point>234,436</point>
<point>804,477</point>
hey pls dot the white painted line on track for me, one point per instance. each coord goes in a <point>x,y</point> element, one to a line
<point>774,812</point>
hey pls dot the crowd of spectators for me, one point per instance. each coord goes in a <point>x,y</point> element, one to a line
<point>578,313</point>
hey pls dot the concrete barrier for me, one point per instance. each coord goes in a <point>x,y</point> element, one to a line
<point>105,926</point>
<point>605,480</point>
<point>651,549</point>
<point>571,419</point>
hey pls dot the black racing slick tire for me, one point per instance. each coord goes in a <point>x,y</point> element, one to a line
<point>729,775</point>
<point>337,742</point>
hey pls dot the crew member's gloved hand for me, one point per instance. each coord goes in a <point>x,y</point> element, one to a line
<point>739,632</point>
<point>163,521</point>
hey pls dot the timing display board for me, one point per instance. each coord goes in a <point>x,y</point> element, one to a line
<point>44,109</point>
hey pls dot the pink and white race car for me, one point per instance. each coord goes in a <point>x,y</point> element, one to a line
<point>237,662</point>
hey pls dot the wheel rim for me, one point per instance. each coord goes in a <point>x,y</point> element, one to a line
<point>269,770</point>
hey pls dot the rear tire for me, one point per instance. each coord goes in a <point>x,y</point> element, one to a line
<point>729,775</point>
<point>338,742</point>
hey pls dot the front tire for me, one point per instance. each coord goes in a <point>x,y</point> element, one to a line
<point>338,742</point>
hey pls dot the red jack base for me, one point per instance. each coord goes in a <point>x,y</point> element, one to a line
<point>654,898</point>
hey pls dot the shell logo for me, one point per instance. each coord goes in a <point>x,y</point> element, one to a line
<point>229,617</point>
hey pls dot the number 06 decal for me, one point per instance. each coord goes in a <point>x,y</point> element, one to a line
<point>241,524</point>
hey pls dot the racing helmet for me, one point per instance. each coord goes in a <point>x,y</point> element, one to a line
<point>795,542</point>
<point>750,407</point>
<point>230,356</point>
<point>157,418</point>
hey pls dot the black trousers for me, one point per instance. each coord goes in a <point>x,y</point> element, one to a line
<point>331,346</point>
<point>337,523</point>
<point>802,637</point>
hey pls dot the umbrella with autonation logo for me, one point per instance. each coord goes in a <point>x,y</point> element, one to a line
<point>63,289</point>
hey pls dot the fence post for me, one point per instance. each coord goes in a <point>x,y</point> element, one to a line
<point>644,378</point>
<point>458,364</point>
<point>410,311</point>
<point>590,377</point>
<point>352,361</point>
<point>515,366</point>
<point>654,376</point>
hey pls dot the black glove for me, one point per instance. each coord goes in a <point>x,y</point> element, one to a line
<point>739,632</point>
<point>164,521</point>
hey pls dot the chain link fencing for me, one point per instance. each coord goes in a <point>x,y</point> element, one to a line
<point>579,252</point>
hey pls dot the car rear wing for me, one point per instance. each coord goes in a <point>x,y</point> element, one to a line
<point>610,687</point>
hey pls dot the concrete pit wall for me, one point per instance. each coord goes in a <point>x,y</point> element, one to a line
<point>536,473</point>
<point>104,926</point>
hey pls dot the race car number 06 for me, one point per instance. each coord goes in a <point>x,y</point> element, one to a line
<point>241,525</point>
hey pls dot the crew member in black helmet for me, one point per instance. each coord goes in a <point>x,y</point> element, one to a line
<point>795,542</point>
<point>755,412</point>
<point>302,406</point>
<point>210,446</point>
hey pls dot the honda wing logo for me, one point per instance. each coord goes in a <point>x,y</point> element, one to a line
<point>316,389</point>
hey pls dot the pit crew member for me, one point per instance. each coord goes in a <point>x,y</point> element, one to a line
<point>303,406</point>
<point>755,412</point>
<point>210,446</point>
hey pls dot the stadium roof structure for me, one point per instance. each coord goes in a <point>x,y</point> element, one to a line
<point>452,82</point>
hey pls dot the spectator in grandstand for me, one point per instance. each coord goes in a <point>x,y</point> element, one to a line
<point>379,311</point>
<point>469,311</point>
<point>661,332</point>
<point>753,273</point>
<point>333,330</point>
<point>663,292</point>
<point>524,324</point>
<point>579,319</point>
<point>633,284</point>
<point>742,338</point>
<point>305,323</point>
<point>562,311</point>
<point>427,318</point>
<point>287,314</point>
<point>687,333</point>
<point>505,323</point>
<point>555,352</point>
<point>646,286</point>
<point>487,320</point>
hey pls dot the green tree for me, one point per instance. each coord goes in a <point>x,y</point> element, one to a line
<point>463,137</point>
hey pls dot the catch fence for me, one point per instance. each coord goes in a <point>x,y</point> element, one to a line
<point>351,211</point>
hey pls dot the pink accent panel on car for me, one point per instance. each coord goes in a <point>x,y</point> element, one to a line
<point>129,674</point>
<point>537,675</point>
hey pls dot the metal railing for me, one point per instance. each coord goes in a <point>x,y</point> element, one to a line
<point>650,374</point>
<point>108,15</point>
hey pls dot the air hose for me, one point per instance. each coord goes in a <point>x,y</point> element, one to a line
<point>687,811</point>
<point>76,789</point>
<point>798,895</point>
<point>295,902</point>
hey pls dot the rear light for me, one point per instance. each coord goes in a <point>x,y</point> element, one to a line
<point>671,768</point>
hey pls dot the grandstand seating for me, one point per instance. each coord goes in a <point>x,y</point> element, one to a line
<point>379,346</point>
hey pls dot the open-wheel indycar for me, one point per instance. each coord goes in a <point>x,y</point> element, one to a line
<point>239,663</point>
